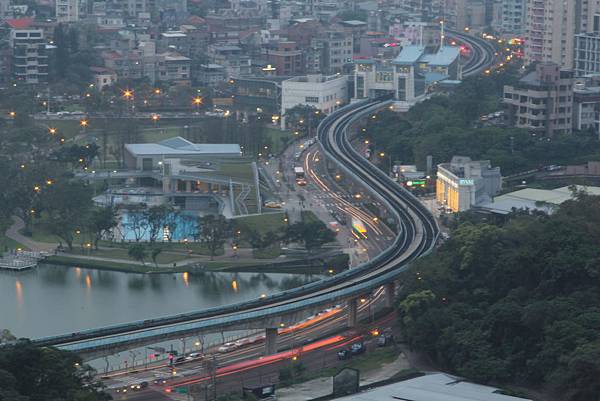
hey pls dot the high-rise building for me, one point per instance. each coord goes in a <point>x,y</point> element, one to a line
<point>587,54</point>
<point>513,13</point>
<point>67,10</point>
<point>550,32</point>
<point>552,25</point>
<point>30,61</point>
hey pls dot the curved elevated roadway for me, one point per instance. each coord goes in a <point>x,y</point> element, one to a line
<point>483,53</point>
<point>418,232</point>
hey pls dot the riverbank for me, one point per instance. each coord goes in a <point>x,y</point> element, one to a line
<point>315,265</point>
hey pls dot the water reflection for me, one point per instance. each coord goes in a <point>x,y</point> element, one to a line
<point>61,299</point>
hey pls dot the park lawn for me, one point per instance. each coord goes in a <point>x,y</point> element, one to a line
<point>195,247</point>
<point>267,253</point>
<point>7,244</point>
<point>153,135</point>
<point>262,223</point>
<point>66,128</point>
<point>309,217</point>
<point>41,234</point>
<point>135,268</point>
<point>121,253</point>
<point>278,138</point>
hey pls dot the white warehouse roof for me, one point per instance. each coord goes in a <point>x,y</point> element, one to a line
<point>432,387</point>
<point>178,146</point>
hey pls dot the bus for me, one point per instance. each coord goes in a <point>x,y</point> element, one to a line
<point>358,229</point>
<point>300,177</point>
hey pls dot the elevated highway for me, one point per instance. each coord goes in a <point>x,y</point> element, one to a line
<point>417,235</point>
<point>483,53</point>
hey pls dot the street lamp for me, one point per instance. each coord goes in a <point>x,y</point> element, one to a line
<point>52,131</point>
<point>155,118</point>
<point>198,101</point>
<point>83,123</point>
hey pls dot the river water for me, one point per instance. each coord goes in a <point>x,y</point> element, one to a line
<point>52,300</point>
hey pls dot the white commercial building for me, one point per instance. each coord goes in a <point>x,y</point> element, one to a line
<point>325,93</point>
<point>464,183</point>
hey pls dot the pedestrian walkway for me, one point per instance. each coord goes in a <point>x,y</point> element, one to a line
<point>14,234</point>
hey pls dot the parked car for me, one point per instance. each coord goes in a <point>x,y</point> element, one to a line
<point>357,348</point>
<point>273,205</point>
<point>194,355</point>
<point>344,354</point>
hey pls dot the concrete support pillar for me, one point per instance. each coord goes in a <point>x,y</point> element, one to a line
<point>270,341</point>
<point>352,312</point>
<point>390,294</point>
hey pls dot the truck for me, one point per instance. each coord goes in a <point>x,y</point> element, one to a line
<point>300,177</point>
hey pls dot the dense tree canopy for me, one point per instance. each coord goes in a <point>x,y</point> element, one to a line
<point>445,126</point>
<point>28,373</point>
<point>518,302</point>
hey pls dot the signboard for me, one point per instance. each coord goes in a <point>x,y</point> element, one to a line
<point>466,182</point>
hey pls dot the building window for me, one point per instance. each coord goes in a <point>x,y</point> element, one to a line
<point>311,99</point>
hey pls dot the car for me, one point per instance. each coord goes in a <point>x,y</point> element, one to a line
<point>273,205</point>
<point>159,381</point>
<point>242,341</point>
<point>122,389</point>
<point>194,355</point>
<point>383,340</point>
<point>180,359</point>
<point>227,347</point>
<point>344,354</point>
<point>140,386</point>
<point>357,348</point>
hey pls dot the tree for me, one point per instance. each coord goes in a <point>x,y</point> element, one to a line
<point>67,205</point>
<point>304,119</point>
<point>137,222</point>
<point>154,254</point>
<point>29,373</point>
<point>156,218</point>
<point>313,234</point>
<point>212,232</point>
<point>137,252</point>
<point>102,220</point>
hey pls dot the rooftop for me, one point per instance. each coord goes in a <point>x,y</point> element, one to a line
<point>445,56</point>
<point>432,387</point>
<point>534,199</point>
<point>409,55</point>
<point>178,146</point>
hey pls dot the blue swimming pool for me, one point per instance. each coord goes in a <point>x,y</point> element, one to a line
<point>180,226</point>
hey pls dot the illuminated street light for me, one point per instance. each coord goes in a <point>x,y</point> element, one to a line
<point>128,94</point>
<point>157,91</point>
<point>52,131</point>
<point>155,118</point>
<point>12,114</point>
<point>84,123</point>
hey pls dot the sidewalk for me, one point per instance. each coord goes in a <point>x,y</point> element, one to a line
<point>324,385</point>
<point>13,233</point>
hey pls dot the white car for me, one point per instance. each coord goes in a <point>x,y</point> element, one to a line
<point>227,347</point>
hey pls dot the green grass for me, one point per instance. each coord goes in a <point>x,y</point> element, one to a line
<point>261,223</point>
<point>131,268</point>
<point>309,217</point>
<point>9,243</point>
<point>278,138</point>
<point>41,234</point>
<point>121,253</point>
<point>268,253</point>
<point>66,128</point>
<point>195,247</point>
<point>240,169</point>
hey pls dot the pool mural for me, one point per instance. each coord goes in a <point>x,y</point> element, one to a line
<point>133,226</point>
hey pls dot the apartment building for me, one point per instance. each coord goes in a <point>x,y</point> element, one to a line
<point>29,57</point>
<point>337,49</point>
<point>550,32</point>
<point>67,10</point>
<point>587,54</point>
<point>542,101</point>
<point>513,16</point>
<point>286,57</point>
<point>552,26</point>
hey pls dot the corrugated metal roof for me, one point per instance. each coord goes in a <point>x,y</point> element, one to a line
<point>444,57</point>
<point>409,55</point>
<point>432,387</point>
